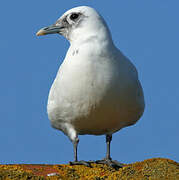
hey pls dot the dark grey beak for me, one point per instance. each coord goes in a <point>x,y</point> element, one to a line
<point>50,30</point>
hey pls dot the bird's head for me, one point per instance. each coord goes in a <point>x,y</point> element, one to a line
<point>80,23</point>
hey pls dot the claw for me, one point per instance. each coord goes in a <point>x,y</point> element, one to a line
<point>112,163</point>
<point>88,164</point>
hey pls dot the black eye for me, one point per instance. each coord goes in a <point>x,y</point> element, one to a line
<point>74,16</point>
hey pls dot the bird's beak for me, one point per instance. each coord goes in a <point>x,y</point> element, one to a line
<point>50,30</point>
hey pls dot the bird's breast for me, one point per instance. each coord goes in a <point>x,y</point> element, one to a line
<point>79,86</point>
<point>90,95</point>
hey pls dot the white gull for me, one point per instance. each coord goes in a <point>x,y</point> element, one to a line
<point>96,90</point>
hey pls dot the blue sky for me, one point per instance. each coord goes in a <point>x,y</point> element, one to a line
<point>145,31</point>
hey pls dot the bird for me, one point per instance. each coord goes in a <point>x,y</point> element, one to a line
<point>96,90</point>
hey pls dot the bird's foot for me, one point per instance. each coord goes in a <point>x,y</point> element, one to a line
<point>88,164</point>
<point>112,163</point>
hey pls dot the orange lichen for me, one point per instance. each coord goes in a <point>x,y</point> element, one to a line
<point>156,168</point>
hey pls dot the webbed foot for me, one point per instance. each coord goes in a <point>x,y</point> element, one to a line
<point>112,163</point>
<point>86,163</point>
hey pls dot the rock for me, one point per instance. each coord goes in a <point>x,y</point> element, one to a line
<point>151,169</point>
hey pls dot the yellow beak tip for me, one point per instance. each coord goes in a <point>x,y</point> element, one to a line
<point>40,33</point>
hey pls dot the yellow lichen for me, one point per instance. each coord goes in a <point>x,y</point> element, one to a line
<point>151,169</point>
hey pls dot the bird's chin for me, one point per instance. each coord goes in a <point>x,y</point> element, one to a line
<point>64,34</point>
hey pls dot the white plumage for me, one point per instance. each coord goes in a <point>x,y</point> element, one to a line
<point>96,90</point>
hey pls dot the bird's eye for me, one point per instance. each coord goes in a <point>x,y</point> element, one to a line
<point>74,16</point>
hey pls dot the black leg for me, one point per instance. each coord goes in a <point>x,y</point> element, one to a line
<point>75,149</point>
<point>108,143</point>
<point>108,160</point>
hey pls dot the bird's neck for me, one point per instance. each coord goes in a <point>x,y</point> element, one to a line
<point>95,34</point>
<point>95,39</point>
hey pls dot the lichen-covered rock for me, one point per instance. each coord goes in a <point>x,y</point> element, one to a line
<point>151,169</point>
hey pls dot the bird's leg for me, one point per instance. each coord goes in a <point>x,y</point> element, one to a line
<point>108,160</point>
<point>108,143</point>
<point>75,149</point>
